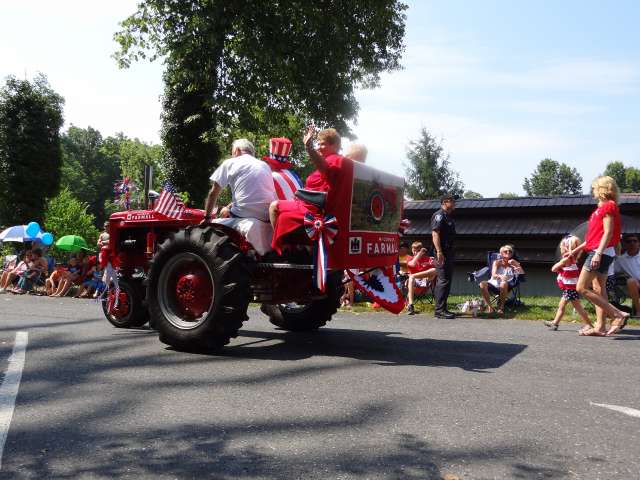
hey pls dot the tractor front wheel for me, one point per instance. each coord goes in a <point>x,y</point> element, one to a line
<point>125,307</point>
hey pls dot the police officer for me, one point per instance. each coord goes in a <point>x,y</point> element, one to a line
<point>443,233</point>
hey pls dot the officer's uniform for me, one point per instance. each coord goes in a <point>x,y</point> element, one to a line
<point>442,222</point>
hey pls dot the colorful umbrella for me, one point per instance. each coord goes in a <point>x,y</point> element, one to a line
<point>18,233</point>
<point>72,243</point>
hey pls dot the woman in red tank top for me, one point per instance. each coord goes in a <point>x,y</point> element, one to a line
<point>287,215</point>
<point>603,234</point>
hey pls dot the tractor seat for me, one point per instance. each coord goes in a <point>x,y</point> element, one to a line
<point>313,197</point>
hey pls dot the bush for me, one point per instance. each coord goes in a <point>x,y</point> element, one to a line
<point>66,215</point>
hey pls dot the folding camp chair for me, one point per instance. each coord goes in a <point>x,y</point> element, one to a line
<point>420,292</point>
<point>9,262</point>
<point>423,290</point>
<point>514,299</point>
<point>39,283</point>
<point>618,293</point>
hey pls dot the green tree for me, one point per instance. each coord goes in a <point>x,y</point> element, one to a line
<point>292,128</point>
<point>428,172</point>
<point>66,215</point>
<point>89,169</point>
<point>250,65</point>
<point>132,155</point>
<point>30,156</point>
<point>471,194</point>
<point>632,178</point>
<point>617,171</point>
<point>627,178</point>
<point>553,178</point>
<point>508,195</point>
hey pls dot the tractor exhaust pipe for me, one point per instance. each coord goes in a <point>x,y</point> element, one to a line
<point>148,182</point>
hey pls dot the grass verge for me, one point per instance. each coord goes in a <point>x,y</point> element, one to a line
<point>534,308</point>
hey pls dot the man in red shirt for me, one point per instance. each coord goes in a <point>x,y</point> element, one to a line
<point>422,270</point>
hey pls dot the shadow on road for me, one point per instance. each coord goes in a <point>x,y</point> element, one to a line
<point>384,348</point>
<point>229,450</point>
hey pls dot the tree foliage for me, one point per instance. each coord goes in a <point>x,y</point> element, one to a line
<point>627,178</point>
<point>471,194</point>
<point>553,178</point>
<point>251,65</point>
<point>133,155</point>
<point>30,156</point>
<point>66,215</point>
<point>508,195</point>
<point>89,170</point>
<point>428,172</point>
<point>93,164</point>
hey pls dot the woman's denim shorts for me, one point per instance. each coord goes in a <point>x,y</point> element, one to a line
<point>605,261</point>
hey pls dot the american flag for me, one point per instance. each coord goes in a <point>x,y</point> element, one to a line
<point>169,204</point>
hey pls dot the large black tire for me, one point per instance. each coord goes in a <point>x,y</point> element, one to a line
<point>297,317</point>
<point>131,310</point>
<point>198,290</point>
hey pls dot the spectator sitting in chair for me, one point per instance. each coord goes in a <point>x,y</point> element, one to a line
<point>69,277</point>
<point>52,282</point>
<point>8,276</point>
<point>92,284</point>
<point>629,264</point>
<point>422,270</point>
<point>35,269</point>
<point>504,273</point>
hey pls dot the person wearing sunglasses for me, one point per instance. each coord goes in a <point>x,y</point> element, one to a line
<point>629,264</point>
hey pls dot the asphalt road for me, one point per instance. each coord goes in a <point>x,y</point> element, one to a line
<point>374,396</point>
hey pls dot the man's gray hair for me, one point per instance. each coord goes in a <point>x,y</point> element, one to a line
<point>245,146</point>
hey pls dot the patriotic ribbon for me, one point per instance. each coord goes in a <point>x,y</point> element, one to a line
<point>323,231</point>
<point>122,190</point>
<point>110,279</point>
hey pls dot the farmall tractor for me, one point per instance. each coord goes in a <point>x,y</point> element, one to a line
<point>194,282</point>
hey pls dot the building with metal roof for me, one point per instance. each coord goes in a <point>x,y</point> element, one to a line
<point>534,225</point>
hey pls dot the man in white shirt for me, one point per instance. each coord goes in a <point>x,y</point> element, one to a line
<point>251,184</point>
<point>629,263</point>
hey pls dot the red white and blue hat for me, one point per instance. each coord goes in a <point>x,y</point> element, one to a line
<point>279,149</point>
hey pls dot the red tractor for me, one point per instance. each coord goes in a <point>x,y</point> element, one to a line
<point>194,282</point>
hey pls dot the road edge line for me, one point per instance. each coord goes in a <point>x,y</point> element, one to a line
<point>10,386</point>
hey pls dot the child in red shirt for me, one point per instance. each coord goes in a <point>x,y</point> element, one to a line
<point>422,270</point>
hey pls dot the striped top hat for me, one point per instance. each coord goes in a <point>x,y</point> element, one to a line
<point>278,157</point>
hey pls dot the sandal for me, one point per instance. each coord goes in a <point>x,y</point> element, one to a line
<point>617,325</point>
<point>551,325</point>
<point>591,332</point>
<point>584,329</point>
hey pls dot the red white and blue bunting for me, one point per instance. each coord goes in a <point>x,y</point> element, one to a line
<point>380,285</point>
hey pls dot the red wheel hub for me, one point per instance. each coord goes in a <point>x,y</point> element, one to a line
<point>193,292</point>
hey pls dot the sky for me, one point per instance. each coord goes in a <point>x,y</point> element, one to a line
<point>501,84</point>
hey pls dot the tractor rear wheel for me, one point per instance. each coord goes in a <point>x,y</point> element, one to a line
<point>198,289</point>
<point>306,317</point>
